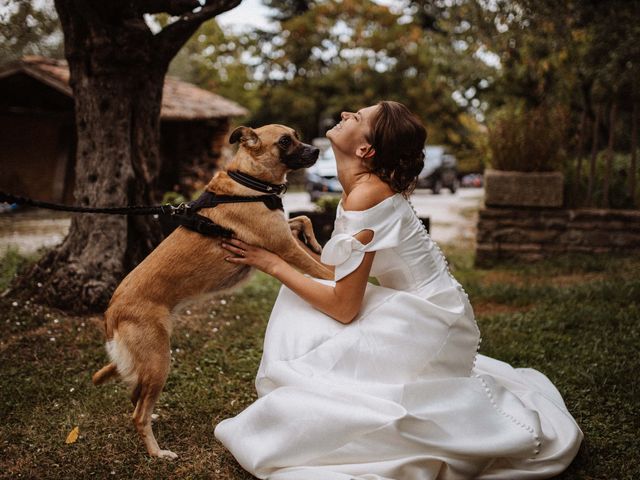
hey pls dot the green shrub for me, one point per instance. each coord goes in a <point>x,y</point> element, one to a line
<point>619,195</point>
<point>176,198</point>
<point>11,263</point>
<point>328,203</point>
<point>527,140</point>
<point>173,198</point>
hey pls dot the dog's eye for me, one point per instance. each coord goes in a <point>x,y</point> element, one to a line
<point>285,142</point>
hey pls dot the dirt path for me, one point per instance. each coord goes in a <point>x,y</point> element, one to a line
<point>30,230</point>
<point>453,217</point>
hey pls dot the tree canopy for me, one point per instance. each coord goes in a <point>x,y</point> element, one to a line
<point>456,63</point>
<point>29,29</point>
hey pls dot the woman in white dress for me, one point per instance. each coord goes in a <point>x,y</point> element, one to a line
<point>359,381</point>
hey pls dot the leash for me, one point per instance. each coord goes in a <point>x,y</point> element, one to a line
<point>131,210</point>
<point>184,214</point>
<point>206,200</point>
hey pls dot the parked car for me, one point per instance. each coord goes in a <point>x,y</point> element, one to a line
<point>472,180</point>
<point>322,177</point>
<point>440,170</point>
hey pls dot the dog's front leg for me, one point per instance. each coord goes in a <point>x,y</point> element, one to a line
<point>300,258</point>
<point>302,224</point>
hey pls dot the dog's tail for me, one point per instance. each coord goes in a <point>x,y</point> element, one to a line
<point>104,374</point>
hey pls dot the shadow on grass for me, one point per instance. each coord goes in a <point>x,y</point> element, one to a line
<point>582,332</point>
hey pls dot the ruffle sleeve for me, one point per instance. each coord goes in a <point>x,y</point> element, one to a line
<point>346,252</point>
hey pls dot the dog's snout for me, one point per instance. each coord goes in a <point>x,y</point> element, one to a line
<point>309,155</point>
<point>305,156</point>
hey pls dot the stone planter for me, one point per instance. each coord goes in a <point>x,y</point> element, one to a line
<point>523,189</point>
<point>536,233</point>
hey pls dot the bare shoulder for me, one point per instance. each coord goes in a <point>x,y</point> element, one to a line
<point>367,195</point>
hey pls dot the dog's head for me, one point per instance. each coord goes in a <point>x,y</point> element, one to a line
<point>273,148</point>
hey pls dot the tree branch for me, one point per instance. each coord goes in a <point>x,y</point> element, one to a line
<point>174,36</point>
<point>172,7</point>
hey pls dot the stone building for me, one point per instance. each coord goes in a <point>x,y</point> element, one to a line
<point>37,131</point>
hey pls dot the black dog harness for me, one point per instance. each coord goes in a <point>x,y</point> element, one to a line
<point>184,214</point>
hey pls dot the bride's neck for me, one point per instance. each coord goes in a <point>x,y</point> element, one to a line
<point>351,172</point>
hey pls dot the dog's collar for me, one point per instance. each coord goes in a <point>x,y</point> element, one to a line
<point>257,184</point>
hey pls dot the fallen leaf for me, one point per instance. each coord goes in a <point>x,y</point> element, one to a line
<point>73,435</point>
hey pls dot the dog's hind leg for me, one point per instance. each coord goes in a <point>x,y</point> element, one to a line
<point>151,382</point>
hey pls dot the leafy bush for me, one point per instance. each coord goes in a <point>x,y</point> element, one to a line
<point>176,198</point>
<point>328,203</point>
<point>173,198</point>
<point>619,195</point>
<point>527,140</point>
<point>11,263</point>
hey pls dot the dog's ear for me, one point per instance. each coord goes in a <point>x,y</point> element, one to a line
<point>236,135</point>
<point>246,136</point>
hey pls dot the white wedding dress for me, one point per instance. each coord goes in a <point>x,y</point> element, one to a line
<point>400,393</point>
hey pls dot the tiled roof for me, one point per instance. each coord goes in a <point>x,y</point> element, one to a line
<point>180,100</point>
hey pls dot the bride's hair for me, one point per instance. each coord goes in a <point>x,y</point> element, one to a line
<point>398,138</point>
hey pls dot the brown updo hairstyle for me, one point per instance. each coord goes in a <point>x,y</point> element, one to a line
<point>398,138</point>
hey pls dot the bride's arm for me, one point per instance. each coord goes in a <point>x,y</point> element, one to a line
<point>341,302</point>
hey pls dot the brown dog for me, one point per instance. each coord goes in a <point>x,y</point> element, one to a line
<point>186,263</point>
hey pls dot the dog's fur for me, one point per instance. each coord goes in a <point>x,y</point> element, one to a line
<point>185,264</point>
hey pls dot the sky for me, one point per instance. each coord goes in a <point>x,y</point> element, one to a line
<point>250,13</point>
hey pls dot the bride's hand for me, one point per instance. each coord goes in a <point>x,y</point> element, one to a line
<point>246,254</point>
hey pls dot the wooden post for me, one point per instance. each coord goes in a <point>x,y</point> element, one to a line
<point>634,153</point>
<point>594,153</point>
<point>609,157</point>
<point>581,141</point>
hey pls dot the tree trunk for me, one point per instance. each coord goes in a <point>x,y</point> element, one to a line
<point>607,171</point>
<point>594,153</point>
<point>117,68</point>
<point>118,95</point>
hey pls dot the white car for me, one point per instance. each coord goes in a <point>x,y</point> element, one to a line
<point>322,177</point>
<point>440,170</point>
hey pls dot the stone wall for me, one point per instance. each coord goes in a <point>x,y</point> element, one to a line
<point>535,233</point>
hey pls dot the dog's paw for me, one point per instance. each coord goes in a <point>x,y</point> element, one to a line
<point>296,228</point>
<point>166,454</point>
<point>315,246</point>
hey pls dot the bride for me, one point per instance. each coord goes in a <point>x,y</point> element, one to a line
<point>360,381</point>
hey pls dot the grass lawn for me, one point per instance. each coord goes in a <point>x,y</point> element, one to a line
<point>576,319</point>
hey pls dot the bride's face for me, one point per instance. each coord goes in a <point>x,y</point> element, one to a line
<point>350,135</point>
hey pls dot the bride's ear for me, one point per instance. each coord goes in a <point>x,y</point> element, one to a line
<point>365,151</point>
